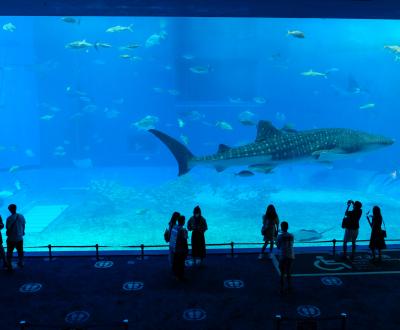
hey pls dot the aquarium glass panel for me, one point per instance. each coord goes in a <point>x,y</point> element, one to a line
<point>109,124</point>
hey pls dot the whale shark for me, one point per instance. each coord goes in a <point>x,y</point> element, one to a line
<point>273,146</point>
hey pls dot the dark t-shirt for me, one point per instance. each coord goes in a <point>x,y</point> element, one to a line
<point>353,219</point>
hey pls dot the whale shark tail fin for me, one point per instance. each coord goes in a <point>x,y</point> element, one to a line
<point>180,152</point>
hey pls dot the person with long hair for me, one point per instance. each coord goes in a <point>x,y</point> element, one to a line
<point>167,234</point>
<point>377,240</point>
<point>269,229</point>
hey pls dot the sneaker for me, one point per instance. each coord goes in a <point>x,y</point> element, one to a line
<point>260,256</point>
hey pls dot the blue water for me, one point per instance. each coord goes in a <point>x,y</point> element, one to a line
<point>68,135</point>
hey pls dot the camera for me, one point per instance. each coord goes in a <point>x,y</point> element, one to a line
<point>349,202</point>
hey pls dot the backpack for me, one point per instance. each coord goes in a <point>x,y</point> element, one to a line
<point>167,235</point>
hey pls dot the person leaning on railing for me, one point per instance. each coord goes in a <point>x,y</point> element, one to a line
<point>2,253</point>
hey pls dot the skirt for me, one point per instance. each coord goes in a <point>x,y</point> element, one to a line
<point>377,241</point>
<point>198,245</point>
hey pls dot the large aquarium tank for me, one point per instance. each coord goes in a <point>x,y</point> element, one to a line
<point>109,124</point>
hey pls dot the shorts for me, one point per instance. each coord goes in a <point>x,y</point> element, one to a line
<point>285,265</point>
<point>350,235</point>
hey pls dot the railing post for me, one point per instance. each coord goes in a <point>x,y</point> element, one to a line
<point>23,325</point>
<point>232,251</point>
<point>142,251</point>
<point>344,321</point>
<point>97,252</point>
<point>50,254</point>
<point>125,324</point>
<point>278,321</point>
<point>334,247</point>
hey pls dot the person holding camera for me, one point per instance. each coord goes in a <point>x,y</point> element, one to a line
<point>377,240</point>
<point>351,224</point>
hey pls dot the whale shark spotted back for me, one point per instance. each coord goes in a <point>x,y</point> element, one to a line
<point>273,146</point>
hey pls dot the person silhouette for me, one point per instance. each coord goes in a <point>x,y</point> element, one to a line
<point>15,225</point>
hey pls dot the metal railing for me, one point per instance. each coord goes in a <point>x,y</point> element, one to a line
<point>163,247</point>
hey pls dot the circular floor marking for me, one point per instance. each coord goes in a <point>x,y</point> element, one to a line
<point>233,284</point>
<point>331,281</point>
<point>103,264</point>
<point>30,287</point>
<point>194,314</point>
<point>308,311</point>
<point>133,286</point>
<point>77,317</point>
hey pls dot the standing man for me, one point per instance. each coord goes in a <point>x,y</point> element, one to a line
<point>351,224</point>
<point>15,232</point>
<point>284,244</point>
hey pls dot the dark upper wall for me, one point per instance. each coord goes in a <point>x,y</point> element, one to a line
<point>384,9</point>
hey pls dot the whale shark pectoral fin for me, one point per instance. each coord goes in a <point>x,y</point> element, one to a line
<point>222,148</point>
<point>327,156</point>
<point>266,130</point>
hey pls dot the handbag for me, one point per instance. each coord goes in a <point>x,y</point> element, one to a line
<point>344,222</point>
<point>384,233</point>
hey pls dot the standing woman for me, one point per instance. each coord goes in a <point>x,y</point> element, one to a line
<point>2,253</point>
<point>198,226</point>
<point>269,229</point>
<point>167,234</point>
<point>377,241</point>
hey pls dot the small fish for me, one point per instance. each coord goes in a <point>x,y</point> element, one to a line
<point>141,211</point>
<point>367,106</point>
<point>259,100</point>
<point>79,44</point>
<point>29,153</point>
<point>188,57</point>
<point>54,109</point>
<point>119,28</point>
<point>247,118</point>
<point>394,174</point>
<point>173,92</point>
<point>280,116</point>
<point>311,73</point>
<point>6,194</point>
<point>98,45</point>
<point>83,163</point>
<point>158,89</point>
<point>146,123</point>
<point>235,100</point>
<point>76,115</point>
<point>184,139</point>
<point>9,27</point>
<point>110,114</point>
<point>47,117</point>
<point>119,101</point>
<point>131,46</point>
<point>244,173</point>
<point>71,20</point>
<point>90,108</point>
<point>13,168</point>
<point>154,40</point>
<point>125,56</point>
<point>224,125</point>
<point>262,168</point>
<point>395,49</point>
<point>17,185</point>
<point>86,99</point>
<point>296,34</point>
<point>136,58</point>
<point>192,115</point>
<point>181,123</point>
<point>200,69</point>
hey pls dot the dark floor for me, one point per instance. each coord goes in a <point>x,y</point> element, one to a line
<point>74,284</point>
